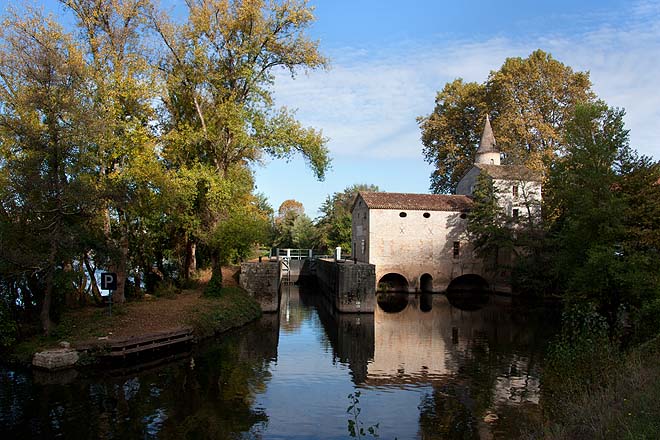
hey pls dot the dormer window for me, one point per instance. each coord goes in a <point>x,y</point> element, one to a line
<point>492,161</point>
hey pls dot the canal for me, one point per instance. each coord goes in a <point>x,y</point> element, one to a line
<point>423,366</point>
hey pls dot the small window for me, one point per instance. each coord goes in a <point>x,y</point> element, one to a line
<point>403,214</point>
<point>463,216</point>
<point>457,249</point>
<point>515,213</point>
<point>426,215</point>
<point>515,190</point>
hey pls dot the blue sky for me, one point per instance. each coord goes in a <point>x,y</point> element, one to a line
<point>389,58</point>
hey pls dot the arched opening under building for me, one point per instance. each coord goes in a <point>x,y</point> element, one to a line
<point>426,283</point>
<point>393,282</point>
<point>468,292</point>
<point>392,302</point>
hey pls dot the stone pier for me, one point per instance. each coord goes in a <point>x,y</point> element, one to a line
<point>262,281</point>
<point>349,286</point>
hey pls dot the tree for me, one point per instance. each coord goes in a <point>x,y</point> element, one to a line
<point>218,106</point>
<point>596,258</point>
<point>528,100</point>
<point>335,225</point>
<point>112,36</point>
<point>46,160</point>
<point>293,228</point>
<point>489,228</point>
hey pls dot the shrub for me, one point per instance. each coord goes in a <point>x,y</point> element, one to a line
<point>8,327</point>
<point>214,287</point>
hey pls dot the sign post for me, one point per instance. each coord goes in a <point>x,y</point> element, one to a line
<point>109,283</point>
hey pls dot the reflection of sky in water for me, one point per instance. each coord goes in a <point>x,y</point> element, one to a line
<point>307,396</point>
<point>417,371</point>
<point>154,423</point>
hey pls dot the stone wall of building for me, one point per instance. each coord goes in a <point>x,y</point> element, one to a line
<point>349,286</point>
<point>262,281</point>
<point>414,243</point>
<point>360,230</point>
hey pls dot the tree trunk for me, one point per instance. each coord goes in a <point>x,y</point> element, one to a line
<point>96,293</point>
<point>46,323</point>
<point>190,262</point>
<point>119,295</point>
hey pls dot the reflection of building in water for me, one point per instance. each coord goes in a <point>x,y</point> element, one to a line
<point>439,345</point>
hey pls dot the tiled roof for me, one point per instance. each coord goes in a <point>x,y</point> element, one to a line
<point>510,172</point>
<point>419,202</point>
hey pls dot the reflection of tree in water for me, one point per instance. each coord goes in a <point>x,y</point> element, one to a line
<point>490,374</point>
<point>210,395</point>
<point>444,415</point>
<point>220,390</point>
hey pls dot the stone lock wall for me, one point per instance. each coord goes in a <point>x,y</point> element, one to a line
<point>349,286</point>
<point>262,282</point>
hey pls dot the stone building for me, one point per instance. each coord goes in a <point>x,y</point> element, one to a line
<point>418,242</point>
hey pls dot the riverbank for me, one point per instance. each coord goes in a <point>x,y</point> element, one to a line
<point>622,402</point>
<point>150,315</point>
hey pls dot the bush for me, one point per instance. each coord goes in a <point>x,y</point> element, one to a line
<point>8,327</point>
<point>578,356</point>
<point>214,287</point>
<point>166,289</point>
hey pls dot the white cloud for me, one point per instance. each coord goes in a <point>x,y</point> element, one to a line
<point>368,101</point>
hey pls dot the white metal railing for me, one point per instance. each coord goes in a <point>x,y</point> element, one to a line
<point>292,254</point>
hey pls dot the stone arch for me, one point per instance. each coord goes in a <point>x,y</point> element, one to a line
<point>393,282</point>
<point>426,283</point>
<point>468,282</point>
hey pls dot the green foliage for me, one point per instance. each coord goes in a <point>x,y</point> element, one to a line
<point>578,356</point>
<point>596,258</point>
<point>529,101</point>
<point>166,289</point>
<point>237,237</point>
<point>335,225</point>
<point>488,226</point>
<point>594,391</point>
<point>8,327</point>
<point>356,428</point>
<point>293,228</point>
<point>214,287</point>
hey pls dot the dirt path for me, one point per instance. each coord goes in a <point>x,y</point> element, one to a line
<point>139,318</point>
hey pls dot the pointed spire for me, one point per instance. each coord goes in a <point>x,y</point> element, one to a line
<point>487,143</point>
<point>487,153</point>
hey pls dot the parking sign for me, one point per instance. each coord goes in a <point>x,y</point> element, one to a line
<point>108,281</point>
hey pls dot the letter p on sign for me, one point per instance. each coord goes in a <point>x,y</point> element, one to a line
<point>108,281</point>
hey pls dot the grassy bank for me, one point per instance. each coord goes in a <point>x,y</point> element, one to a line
<point>622,402</point>
<point>231,308</point>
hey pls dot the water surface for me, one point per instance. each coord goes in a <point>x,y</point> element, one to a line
<point>424,368</point>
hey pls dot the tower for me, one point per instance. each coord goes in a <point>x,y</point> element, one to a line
<point>487,153</point>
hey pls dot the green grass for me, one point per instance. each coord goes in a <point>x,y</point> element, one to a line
<point>623,404</point>
<point>232,307</point>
